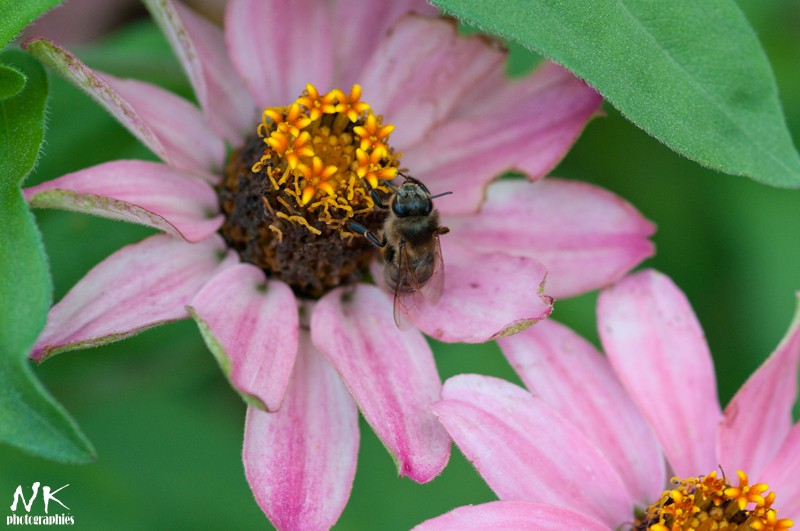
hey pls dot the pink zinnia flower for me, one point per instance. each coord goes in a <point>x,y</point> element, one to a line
<point>585,448</point>
<point>257,247</point>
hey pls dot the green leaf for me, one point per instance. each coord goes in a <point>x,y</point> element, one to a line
<point>22,121</point>
<point>692,74</point>
<point>29,417</point>
<point>11,81</point>
<point>19,13</point>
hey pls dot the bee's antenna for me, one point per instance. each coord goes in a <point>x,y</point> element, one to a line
<point>440,195</point>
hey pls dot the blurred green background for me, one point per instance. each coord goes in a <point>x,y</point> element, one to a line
<point>167,426</point>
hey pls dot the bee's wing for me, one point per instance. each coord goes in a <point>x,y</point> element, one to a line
<point>411,298</point>
<point>432,290</point>
<point>408,299</point>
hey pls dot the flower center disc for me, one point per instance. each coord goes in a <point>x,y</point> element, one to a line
<point>290,193</point>
<point>709,503</point>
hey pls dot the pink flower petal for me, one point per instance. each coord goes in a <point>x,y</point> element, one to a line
<point>573,378</point>
<point>585,236</point>
<point>512,516</point>
<point>391,374</point>
<point>782,476</point>
<point>168,125</point>
<point>524,450</point>
<point>759,417</point>
<point>274,59</point>
<point>86,79</point>
<point>149,193</point>
<point>251,326</point>
<point>200,46</point>
<point>485,295</point>
<point>180,126</point>
<point>300,461</point>
<point>526,125</point>
<point>138,287</point>
<point>418,73</point>
<point>655,344</point>
<point>359,26</point>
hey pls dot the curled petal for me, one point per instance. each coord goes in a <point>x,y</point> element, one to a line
<point>572,377</point>
<point>526,451</point>
<point>525,125</point>
<point>391,374</point>
<point>511,516</point>
<point>759,417</point>
<point>300,461</point>
<point>485,295</point>
<point>200,46</point>
<point>655,344</point>
<point>251,326</point>
<point>274,59</point>
<point>168,125</point>
<point>149,193</point>
<point>86,79</point>
<point>138,287</point>
<point>585,237</point>
<point>420,70</point>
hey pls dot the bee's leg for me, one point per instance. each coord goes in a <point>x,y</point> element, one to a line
<point>361,229</point>
<point>377,199</point>
<point>442,230</point>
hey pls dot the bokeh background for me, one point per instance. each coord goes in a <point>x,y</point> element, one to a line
<point>165,423</point>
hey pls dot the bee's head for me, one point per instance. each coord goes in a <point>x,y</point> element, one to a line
<point>412,199</point>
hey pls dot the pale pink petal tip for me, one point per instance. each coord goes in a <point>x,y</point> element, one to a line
<point>300,461</point>
<point>763,405</point>
<point>138,287</point>
<point>148,193</point>
<point>391,375</point>
<point>251,326</point>
<point>511,516</point>
<point>585,236</point>
<point>657,348</point>
<point>486,295</point>
<point>525,450</point>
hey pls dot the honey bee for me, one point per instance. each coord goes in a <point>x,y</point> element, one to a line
<point>409,240</point>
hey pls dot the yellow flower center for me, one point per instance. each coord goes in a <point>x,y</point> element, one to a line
<point>322,155</point>
<point>290,192</point>
<point>709,503</point>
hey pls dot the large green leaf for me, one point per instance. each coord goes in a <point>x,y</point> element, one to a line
<point>691,73</point>
<point>16,14</point>
<point>29,417</point>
